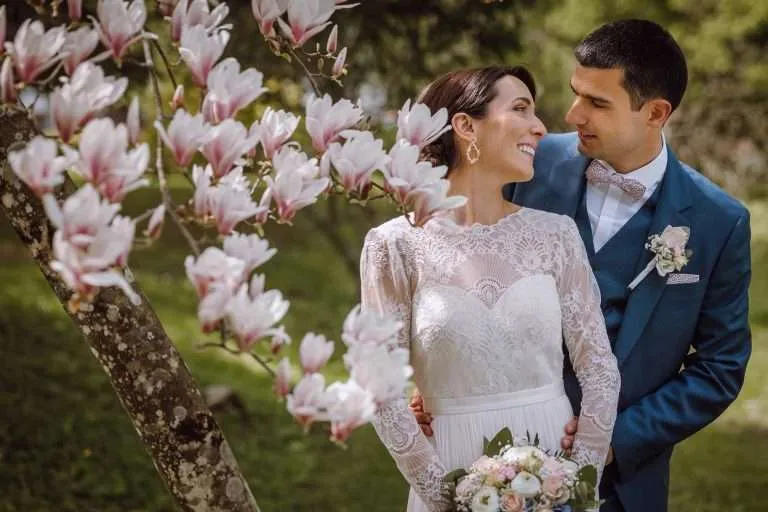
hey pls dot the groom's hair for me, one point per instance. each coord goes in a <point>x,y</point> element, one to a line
<point>653,63</point>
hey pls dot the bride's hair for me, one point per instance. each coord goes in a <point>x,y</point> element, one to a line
<point>468,91</point>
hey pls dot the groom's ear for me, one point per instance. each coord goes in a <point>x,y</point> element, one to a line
<point>659,111</point>
<point>464,126</point>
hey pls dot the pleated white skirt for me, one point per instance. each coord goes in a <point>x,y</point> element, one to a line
<point>459,424</point>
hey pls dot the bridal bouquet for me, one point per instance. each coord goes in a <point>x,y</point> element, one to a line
<point>515,475</point>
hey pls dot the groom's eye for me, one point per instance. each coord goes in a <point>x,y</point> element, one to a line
<point>598,104</point>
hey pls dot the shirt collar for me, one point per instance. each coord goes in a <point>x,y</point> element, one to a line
<point>651,173</point>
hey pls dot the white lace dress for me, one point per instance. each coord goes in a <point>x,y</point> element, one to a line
<point>485,312</point>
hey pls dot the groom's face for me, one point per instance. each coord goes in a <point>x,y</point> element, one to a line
<point>602,114</point>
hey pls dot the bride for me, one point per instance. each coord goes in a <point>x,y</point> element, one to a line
<point>487,299</point>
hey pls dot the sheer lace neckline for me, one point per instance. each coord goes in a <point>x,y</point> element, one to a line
<point>448,224</point>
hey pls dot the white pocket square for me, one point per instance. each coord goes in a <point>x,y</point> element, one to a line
<point>682,278</point>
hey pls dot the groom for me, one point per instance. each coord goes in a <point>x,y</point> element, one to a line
<point>682,340</point>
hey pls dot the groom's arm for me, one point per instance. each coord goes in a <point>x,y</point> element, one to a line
<point>712,375</point>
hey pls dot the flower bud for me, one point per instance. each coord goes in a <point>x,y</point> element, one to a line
<point>333,40</point>
<point>338,66</point>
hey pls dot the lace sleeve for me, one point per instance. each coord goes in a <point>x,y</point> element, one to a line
<point>590,352</point>
<point>385,288</point>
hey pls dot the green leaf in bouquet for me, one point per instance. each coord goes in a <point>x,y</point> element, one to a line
<point>500,440</point>
<point>588,475</point>
<point>454,476</point>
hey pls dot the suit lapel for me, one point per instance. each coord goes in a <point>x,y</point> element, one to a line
<point>674,198</point>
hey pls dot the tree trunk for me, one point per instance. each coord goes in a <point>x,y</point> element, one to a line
<point>150,378</point>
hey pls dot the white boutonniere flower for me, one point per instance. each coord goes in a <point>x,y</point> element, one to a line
<point>670,253</point>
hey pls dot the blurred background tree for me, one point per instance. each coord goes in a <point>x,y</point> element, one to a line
<point>66,445</point>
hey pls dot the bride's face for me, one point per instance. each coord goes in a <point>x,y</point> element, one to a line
<point>510,131</point>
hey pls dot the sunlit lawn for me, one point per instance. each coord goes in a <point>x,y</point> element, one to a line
<point>66,445</point>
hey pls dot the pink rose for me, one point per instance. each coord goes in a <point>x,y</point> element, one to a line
<point>555,490</point>
<point>511,502</point>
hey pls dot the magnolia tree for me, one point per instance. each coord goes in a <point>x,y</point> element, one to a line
<point>240,179</point>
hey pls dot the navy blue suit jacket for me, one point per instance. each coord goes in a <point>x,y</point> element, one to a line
<point>682,349</point>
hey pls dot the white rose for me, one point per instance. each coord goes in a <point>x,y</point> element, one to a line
<point>486,500</point>
<point>518,454</point>
<point>526,485</point>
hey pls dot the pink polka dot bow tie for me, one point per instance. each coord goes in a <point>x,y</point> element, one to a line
<point>597,173</point>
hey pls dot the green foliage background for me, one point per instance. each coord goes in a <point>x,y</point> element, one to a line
<point>65,443</point>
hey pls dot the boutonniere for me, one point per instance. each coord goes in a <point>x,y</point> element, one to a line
<point>670,252</point>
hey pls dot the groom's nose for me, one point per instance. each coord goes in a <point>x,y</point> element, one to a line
<point>575,115</point>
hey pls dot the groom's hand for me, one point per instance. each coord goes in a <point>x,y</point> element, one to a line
<point>570,434</point>
<point>423,418</point>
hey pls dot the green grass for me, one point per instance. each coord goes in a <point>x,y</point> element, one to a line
<point>66,444</point>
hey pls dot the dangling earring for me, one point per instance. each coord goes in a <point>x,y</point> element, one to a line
<point>473,153</point>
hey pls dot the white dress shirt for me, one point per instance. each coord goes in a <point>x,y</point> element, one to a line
<point>609,207</point>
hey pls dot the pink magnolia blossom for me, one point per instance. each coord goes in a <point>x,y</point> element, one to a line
<point>357,159</point>
<point>81,216</point>
<point>90,242</point>
<point>296,183</point>
<point>120,24</point>
<point>204,193</point>
<point>75,9</point>
<point>78,46</point>
<point>369,328</point>
<point>230,90</point>
<point>185,135</point>
<point>338,65</point>
<point>34,49</point>
<point>274,130</point>
<point>213,307</point>
<point>404,173</point>
<point>253,250</point>
<point>155,224</point>
<point>87,91</point>
<point>433,199</point>
<point>231,202</point>
<point>325,120</point>
<point>104,159</point>
<point>418,126</point>
<point>197,12</point>
<point>314,352</point>
<point>306,19</point>
<point>308,400</point>
<point>227,143</point>
<point>214,269</point>
<point>86,271</point>
<point>380,370</point>
<point>252,317</point>
<point>133,121</point>
<point>280,338</point>
<point>8,92</point>
<point>349,407</point>
<point>283,376</point>
<point>227,203</point>
<point>200,50</point>
<point>38,165</point>
<point>266,12</point>
<point>177,101</point>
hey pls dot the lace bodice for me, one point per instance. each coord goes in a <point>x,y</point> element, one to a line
<point>485,310</point>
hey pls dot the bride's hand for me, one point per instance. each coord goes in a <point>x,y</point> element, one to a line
<point>570,433</point>
<point>423,418</point>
